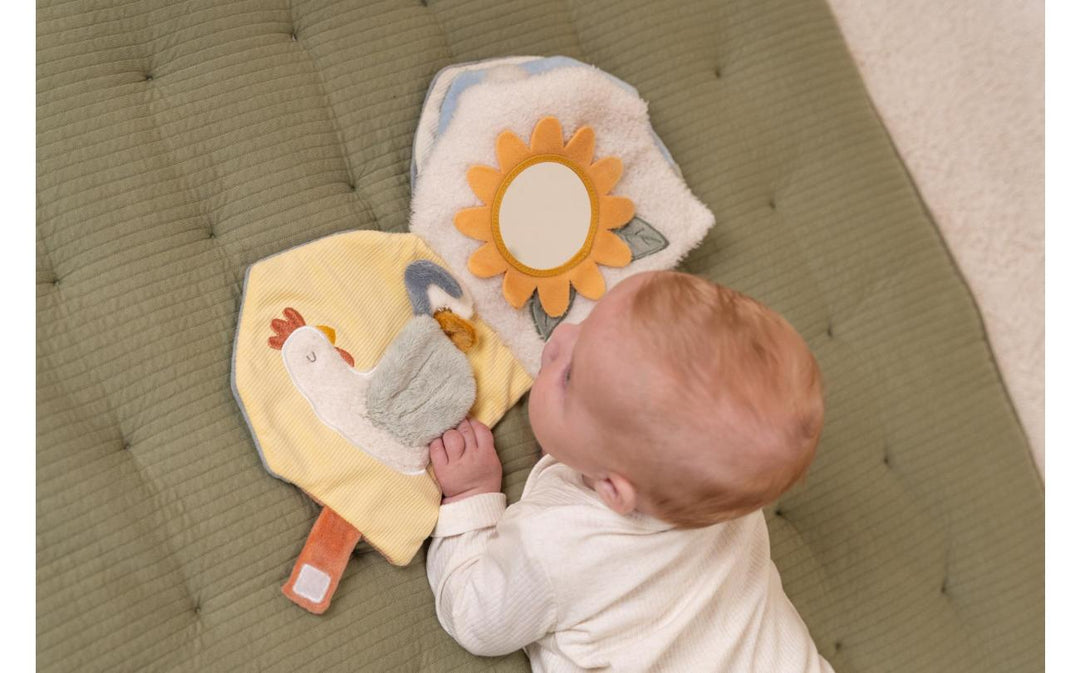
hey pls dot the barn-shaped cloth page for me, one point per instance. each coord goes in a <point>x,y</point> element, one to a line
<point>352,352</point>
<point>542,184</point>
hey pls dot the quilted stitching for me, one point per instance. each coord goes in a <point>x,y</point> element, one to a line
<point>178,142</point>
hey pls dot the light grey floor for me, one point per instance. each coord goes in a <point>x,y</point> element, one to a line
<point>960,88</point>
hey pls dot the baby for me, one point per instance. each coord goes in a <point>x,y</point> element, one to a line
<point>668,418</point>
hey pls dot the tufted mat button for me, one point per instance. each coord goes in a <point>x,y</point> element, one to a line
<point>718,72</point>
<point>292,36</point>
<point>149,77</point>
<point>829,331</point>
<point>838,645</point>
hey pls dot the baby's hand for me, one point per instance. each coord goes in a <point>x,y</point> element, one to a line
<point>465,461</point>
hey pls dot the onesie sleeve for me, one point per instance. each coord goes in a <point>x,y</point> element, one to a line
<point>492,594</point>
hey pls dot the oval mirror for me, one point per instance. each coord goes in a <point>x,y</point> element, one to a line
<point>544,216</point>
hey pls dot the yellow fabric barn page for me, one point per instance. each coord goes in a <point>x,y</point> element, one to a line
<point>351,287</point>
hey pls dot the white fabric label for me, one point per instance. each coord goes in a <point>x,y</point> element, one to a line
<point>312,583</point>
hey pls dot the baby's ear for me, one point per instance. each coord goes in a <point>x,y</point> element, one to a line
<point>617,493</point>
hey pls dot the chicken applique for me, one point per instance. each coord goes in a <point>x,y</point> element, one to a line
<point>422,385</point>
<point>352,352</point>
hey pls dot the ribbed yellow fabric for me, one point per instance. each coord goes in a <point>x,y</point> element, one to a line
<point>354,283</point>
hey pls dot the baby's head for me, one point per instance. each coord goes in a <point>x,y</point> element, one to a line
<point>680,399</point>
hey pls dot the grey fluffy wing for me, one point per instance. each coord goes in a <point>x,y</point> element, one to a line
<point>422,386</point>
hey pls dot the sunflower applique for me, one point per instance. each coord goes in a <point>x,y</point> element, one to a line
<point>547,217</point>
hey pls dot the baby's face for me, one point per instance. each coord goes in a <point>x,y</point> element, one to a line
<point>582,382</point>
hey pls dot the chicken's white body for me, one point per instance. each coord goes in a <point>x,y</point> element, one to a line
<point>337,393</point>
<point>421,386</point>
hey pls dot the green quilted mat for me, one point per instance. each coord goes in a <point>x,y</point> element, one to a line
<point>178,142</point>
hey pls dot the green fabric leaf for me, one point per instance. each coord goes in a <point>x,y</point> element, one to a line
<point>642,237</point>
<point>545,324</point>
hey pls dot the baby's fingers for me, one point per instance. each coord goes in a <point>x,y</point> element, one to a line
<point>484,439</point>
<point>454,443</point>
<point>466,430</point>
<point>438,452</point>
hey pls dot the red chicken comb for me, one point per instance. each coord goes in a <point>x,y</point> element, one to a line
<point>283,328</point>
<point>293,320</point>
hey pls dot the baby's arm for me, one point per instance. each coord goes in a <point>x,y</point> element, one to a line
<point>490,594</point>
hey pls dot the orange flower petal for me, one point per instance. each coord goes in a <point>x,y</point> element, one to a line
<point>547,136</point>
<point>605,173</point>
<point>517,287</point>
<point>486,261</point>
<point>587,280</point>
<point>510,150</point>
<point>484,181</point>
<point>610,250</point>
<point>582,145</point>
<point>476,222</point>
<point>615,211</point>
<point>554,294</point>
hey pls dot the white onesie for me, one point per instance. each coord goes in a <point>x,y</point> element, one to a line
<point>581,587</point>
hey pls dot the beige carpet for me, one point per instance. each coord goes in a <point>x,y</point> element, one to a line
<point>960,88</point>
